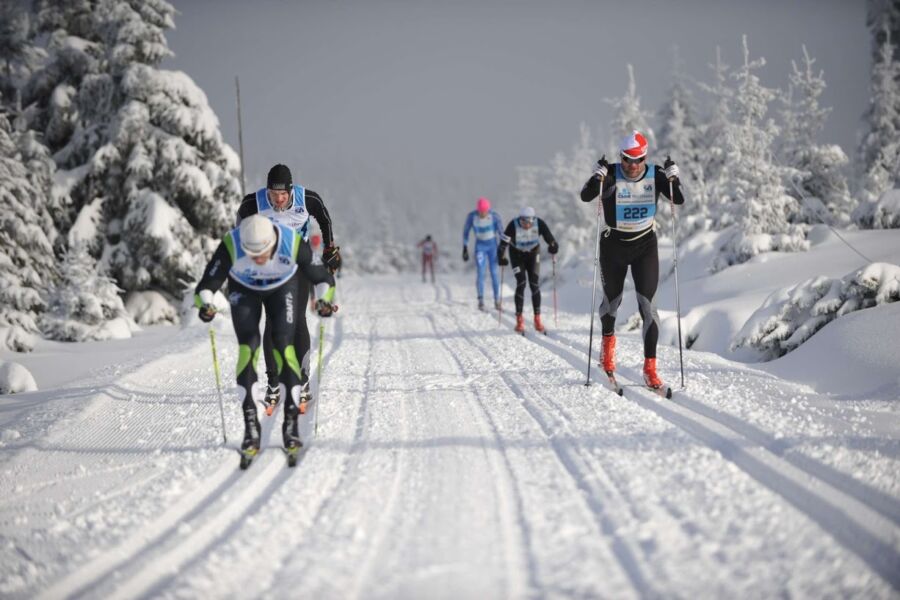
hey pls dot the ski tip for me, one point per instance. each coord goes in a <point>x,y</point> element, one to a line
<point>269,410</point>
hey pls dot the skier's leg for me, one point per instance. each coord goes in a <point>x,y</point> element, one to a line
<point>282,306</point>
<point>246,309</point>
<point>424,263</point>
<point>645,272</point>
<point>269,354</point>
<point>480,264</point>
<point>533,265</point>
<point>518,270</point>
<point>612,275</point>
<point>495,272</point>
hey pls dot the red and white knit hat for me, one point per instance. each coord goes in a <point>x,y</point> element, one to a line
<point>633,145</point>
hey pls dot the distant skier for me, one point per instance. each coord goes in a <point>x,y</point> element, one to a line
<point>429,254</point>
<point>522,235</point>
<point>290,204</point>
<point>631,192</point>
<point>488,230</point>
<point>261,259</point>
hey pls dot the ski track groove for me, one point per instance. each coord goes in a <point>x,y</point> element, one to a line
<point>850,516</point>
<point>330,505</point>
<point>379,538</point>
<point>508,495</point>
<point>149,549</point>
<point>576,465</point>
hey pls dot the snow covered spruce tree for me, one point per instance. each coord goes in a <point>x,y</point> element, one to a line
<point>562,207</point>
<point>26,252</point>
<point>628,116</point>
<point>715,176</point>
<point>153,185</point>
<point>816,169</point>
<point>879,152</point>
<point>766,213</point>
<point>84,304</point>
<point>678,137</point>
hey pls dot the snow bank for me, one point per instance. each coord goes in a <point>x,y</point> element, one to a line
<point>149,308</point>
<point>790,316</point>
<point>15,378</point>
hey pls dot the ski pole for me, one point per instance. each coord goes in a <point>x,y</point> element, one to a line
<point>555,318</point>
<point>500,303</point>
<point>212,343</point>
<point>594,286</point>
<point>675,265</point>
<point>319,376</point>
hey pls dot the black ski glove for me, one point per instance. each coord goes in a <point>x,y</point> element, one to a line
<point>602,168</point>
<point>331,256</point>
<point>502,260</point>
<point>325,309</point>
<point>553,247</point>
<point>465,253</point>
<point>207,313</point>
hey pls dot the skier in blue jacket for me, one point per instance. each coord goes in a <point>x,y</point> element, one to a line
<point>488,230</point>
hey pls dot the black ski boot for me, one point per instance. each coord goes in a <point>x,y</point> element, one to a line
<point>250,445</point>
<point>290,432</point>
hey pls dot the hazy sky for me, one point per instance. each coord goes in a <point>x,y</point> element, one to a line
<point>390,91</point>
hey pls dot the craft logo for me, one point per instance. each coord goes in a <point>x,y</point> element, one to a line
<point>289,304</point>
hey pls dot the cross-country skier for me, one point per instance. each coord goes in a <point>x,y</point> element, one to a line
<point>631,190</point>
<point>290,204</point>
<point>429,254</point>
<point>522,235</point>
<point>488,230</point>
<point>261,260</point>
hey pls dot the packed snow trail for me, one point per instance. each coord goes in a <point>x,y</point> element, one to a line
<point>454,459</point>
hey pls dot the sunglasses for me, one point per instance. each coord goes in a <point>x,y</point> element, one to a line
<point>526,221</point>
<point>632,161</point>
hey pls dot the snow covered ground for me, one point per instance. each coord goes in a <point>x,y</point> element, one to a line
<point>455,459</point>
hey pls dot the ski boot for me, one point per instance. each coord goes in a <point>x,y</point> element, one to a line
<point>652,380</point>
<point>481,304</point>
<point>273,397</point>
<point>520,323</point>
<point>538,324</point>
<point>250,445</point>
<point>497,304</point>
<point>607,354</point>
<point>290,433</point>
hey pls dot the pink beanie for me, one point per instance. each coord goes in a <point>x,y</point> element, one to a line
<point>483,205</point>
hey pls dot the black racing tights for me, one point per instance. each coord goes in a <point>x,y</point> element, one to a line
<point>282,305</point>
<point>642,255</point>
<point>527,264</point>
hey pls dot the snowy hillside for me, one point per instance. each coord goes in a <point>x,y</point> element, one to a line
<point>453,459</point>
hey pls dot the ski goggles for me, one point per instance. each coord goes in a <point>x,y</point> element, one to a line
<point>526,222</point>
<point>633,161</point>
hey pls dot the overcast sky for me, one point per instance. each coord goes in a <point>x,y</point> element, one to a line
<point>401,90</point>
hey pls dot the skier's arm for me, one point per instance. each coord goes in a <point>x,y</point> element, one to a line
<point>591,187</point>
<point>662,184</point>
<point>508,238</point>
<point>544,232</point>
<point>467,228</point>
<point>248,207</point>
<point>214,276</point>
<point>317,210</point>
<point>324,282</point>
<point>498,225</point>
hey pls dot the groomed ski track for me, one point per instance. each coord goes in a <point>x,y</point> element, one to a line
<point>453,459</point>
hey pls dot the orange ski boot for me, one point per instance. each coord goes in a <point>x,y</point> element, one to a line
<point>607,353</point>
<point>651,379</point>
<point>538,324</point>
<point>520,323</point>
